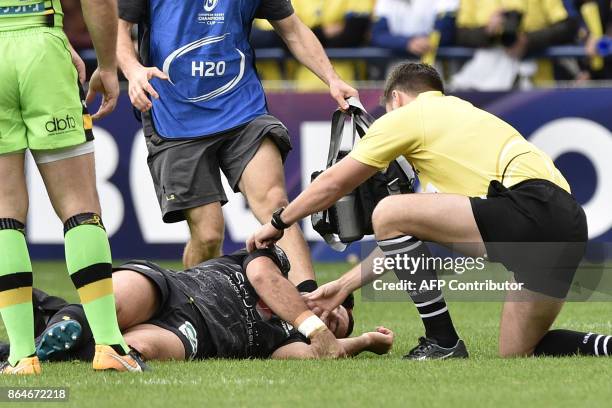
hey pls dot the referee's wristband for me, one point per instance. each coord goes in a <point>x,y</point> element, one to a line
<point>277,221</point>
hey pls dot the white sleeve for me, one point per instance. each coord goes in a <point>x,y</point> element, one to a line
<point>445,6</point>
<point>383,8</point>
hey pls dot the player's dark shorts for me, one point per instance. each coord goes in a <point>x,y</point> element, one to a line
<point>186,172</point>
<point>536,230</point>
<point>177,312</point>
<point>214,310</point>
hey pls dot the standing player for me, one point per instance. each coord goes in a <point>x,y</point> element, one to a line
<point>528,205</point>
<point>41,109</point>
<point>208,111</point>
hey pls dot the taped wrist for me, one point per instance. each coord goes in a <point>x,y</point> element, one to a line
<point>309,324</point>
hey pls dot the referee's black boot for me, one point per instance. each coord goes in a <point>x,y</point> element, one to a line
<point>428,349</point>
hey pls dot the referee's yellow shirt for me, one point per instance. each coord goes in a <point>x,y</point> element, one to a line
<point>454,147</point>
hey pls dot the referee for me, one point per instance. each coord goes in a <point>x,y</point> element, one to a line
<point>484,185</point>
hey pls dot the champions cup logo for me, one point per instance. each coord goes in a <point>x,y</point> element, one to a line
<point>60,124</point>
<point>209,5</point>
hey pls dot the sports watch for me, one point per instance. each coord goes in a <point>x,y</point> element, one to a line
<point>276,220</point>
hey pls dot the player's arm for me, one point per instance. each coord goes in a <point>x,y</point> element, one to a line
<point>101,17</point>
<point>285,301</point>
<point>379,342</point>
<point>331,295</point>
<point>138,76</point>
<point>307,49</point>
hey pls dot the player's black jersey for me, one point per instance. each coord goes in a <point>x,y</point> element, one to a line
<point>237,321</point>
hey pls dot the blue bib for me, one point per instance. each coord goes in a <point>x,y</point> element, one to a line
<point>203,47</point>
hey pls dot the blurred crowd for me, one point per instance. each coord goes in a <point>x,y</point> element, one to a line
<point>508,37</point>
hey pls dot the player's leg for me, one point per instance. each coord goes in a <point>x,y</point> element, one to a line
<point>206,226</point>
<point>400,223</point>
<point>71,187</point>
<point>188,185</point>
<point>68,334</point>
<point>263,184</point>
<point>136,298</point>
<point>15,267</point>
<point>155,343</point>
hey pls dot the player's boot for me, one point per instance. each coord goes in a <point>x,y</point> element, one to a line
<point>428,349</point>
<point>25,366</point>
<point>106,358</point>
<point>58,339</point>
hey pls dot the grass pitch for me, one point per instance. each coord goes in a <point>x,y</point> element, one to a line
<point>368,380</point>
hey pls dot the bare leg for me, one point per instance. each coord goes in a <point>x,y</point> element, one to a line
<point>442,218</point>
<point>526,318</point>
<point>263,185</point>
<point>14,202</point>
<point>71,185</point>
<point>206,225</point>
<point>155,343</point>
<point>136,298</point>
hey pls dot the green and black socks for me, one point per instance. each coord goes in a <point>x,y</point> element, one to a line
<point>88,258</point>
<point>16,289</point>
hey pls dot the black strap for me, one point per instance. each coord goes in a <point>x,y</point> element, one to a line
<point>361,121</point>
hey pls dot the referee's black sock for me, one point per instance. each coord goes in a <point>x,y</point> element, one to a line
<point>429,302</point>
<point>560,343</point>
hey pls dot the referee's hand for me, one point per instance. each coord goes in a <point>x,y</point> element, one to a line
<point>139,86</point>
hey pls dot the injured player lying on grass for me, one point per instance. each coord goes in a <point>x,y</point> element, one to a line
<point>210,311</point>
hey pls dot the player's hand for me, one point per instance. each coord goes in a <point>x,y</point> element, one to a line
<point>105,82</point>
<point>264,238</point>
<point>341,91</point>
<point>325,299</point>
<point>139,86</point>
<point>325,345</point>
<point>79,65</point>
<point>418,45</point>
<point>381,340</point>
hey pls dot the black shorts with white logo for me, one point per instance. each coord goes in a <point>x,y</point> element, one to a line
<point>186,173</point>
<point>214,309</point>
<point>177,312</point>
<point>537,230</point>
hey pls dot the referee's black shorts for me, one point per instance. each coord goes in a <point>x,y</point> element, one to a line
<point>537,230</point>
